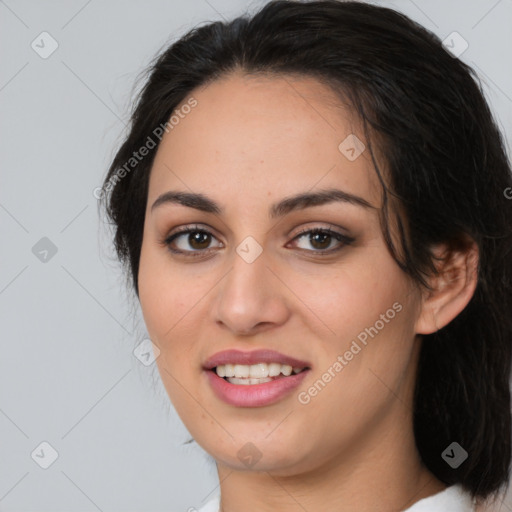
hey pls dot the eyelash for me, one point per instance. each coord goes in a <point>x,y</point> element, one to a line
<point>344,239</point>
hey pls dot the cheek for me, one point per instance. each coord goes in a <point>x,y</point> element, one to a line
<point>152,299</point>
<point>351,297</point>
<point>171,304</point>
<point>166,303</point>
<point>372,354</point>
<point>366,314</point>
<point>162,295</point>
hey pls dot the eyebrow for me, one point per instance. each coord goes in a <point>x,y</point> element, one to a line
<point>279,209</point>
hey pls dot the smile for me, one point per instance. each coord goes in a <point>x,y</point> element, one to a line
<point>255,374</point>
<point>253,379</point>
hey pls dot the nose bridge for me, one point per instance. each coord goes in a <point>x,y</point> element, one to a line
<point>249,295</point>
<point>247,279</point>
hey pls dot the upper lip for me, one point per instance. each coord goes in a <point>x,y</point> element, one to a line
<point>253,357</point>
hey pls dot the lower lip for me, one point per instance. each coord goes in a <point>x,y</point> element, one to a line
<point>254,395</point>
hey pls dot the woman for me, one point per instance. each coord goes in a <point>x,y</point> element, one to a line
<point>311,206</point>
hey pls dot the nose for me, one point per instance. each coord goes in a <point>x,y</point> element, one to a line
<point>250,298</point>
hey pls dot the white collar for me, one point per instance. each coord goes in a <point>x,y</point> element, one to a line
<point>451,499</point>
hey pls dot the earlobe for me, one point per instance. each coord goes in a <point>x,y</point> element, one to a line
<point>451,289</point>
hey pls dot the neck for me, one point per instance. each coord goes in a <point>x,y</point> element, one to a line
<point>381,479</point>
<point>380,470</point>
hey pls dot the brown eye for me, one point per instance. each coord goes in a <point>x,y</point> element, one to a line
<point>199,239</point>
<point>190,241</point>
<point>322,240</point>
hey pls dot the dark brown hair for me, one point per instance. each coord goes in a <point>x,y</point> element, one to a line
<point>448,170</point>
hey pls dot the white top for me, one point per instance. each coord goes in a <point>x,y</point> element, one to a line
<point>452,499</point>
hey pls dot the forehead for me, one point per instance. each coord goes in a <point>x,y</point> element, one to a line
<point>262,132</point>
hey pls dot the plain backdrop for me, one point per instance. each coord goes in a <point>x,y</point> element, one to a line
<point>68,376</point>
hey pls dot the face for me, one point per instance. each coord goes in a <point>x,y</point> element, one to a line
<point>255,267</point>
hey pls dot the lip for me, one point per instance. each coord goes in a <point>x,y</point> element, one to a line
<point>254,357</point>
<point>254,395</point>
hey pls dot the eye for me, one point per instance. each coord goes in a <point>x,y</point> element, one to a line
<point>190,240</point>
<point>196,241</point>
<point>323,240</point>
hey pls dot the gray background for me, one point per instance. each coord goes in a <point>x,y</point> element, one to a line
<point>68,374</point>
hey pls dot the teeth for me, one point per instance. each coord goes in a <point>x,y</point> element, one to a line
<point>258,371</point>
<point>274,369</point>
<point>255,371</point>
<point>286,370</point>
<point>241,371</point>
<point>234,380</point>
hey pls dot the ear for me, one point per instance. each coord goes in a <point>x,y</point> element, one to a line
<point>452,288</point>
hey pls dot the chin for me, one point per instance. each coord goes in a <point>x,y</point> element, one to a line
<point>273,456</point>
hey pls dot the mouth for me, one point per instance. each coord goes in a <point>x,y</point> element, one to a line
<point>260,373</point>
<point>254,379</point>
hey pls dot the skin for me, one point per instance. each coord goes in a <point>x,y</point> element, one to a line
<point>250,142</point>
